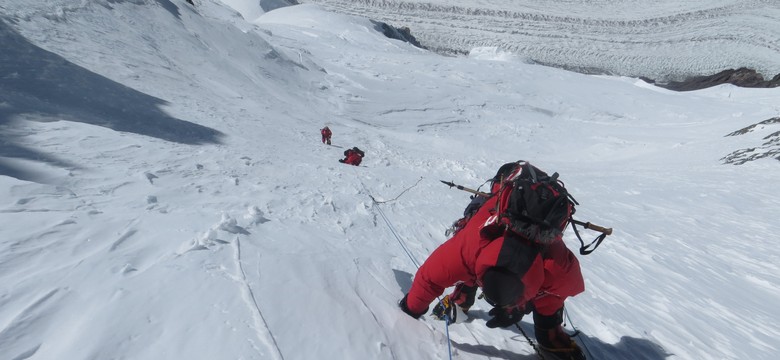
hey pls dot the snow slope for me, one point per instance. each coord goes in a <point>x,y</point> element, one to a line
<point>165,194</point>
<point>664,40</point>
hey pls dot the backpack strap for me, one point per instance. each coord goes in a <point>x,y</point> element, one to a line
<point>532,172</point>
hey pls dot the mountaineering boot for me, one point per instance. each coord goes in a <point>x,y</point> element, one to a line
<point>552,340</point>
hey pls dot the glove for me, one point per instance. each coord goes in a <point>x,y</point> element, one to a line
<point>405,308</point>
<point>464,296</point>
<point>503,317</point>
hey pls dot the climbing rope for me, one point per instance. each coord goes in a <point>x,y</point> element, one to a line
<point>392,230</point>
<point>577,333</point>
<point>396,198</point>
<point>414,261</point>
<point>408,253</point>
<point>533,344</point>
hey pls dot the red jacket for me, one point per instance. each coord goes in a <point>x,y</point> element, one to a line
<point>326,133</point>
<point>548,276</point>
<point>353,158</point>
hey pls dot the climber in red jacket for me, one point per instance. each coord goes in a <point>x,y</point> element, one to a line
<point>522,266</point>
<point>353,156</point>
<point>326,134</point>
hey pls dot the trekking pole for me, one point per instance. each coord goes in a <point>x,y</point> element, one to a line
<point>587,225</point>
<point>587,249</point>
<point>584,249</point>
<point>460,187</point>
<point>594,227</point>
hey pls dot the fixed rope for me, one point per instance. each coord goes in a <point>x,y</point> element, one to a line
<point>392,230</point>
<point>399,195</point>
<point>408,253</point>
<point>533,344</point>
<point>416,264</point>
<point>577,333</point>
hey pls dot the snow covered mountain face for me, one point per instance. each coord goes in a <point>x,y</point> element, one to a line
<point>663,40</point>
<point>164,193</point>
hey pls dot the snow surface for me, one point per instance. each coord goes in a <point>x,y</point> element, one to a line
<point>661,39</point>
<point>165,195</point>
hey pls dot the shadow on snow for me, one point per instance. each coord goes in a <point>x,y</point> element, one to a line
<point>627,348</point>
<point>38,85</point>
<point>404,280</point>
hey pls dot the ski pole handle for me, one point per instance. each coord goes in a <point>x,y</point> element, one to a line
<point>588,225</point>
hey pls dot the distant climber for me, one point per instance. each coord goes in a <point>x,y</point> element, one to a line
<point>326,134</point>
<point>353,156</point>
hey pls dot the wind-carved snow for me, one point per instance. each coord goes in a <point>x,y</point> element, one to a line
<point>663,40</point>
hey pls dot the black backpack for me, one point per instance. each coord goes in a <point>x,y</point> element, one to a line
<point>356,150</point>
<point>533,204</point>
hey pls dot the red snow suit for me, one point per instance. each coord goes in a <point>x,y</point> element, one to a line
<point>353,156</point>
<point>353,159</point>
<point>326,134</point>
<point>546,276</point>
